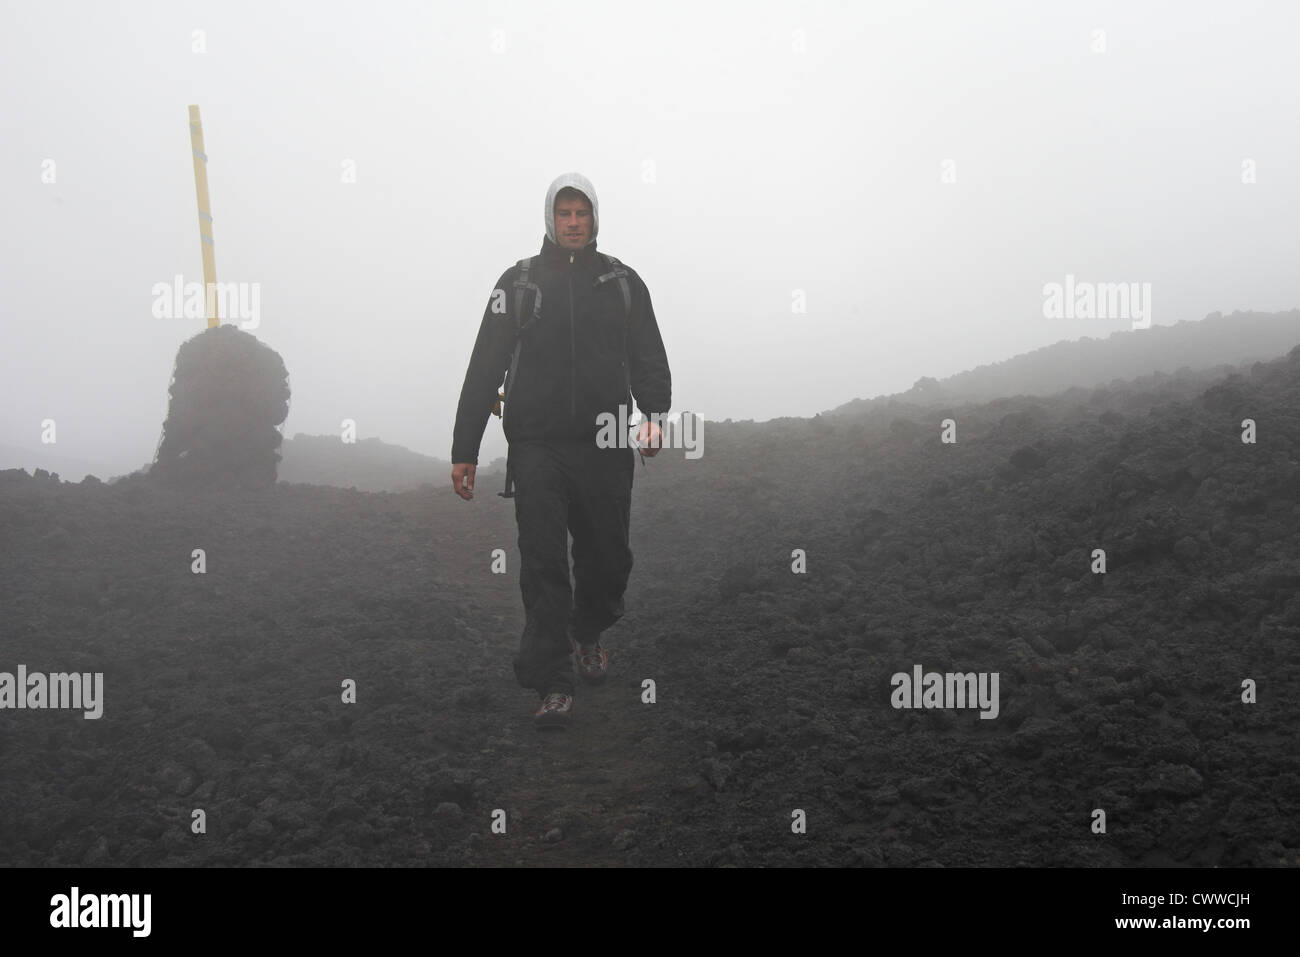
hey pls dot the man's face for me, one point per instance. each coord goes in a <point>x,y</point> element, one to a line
<point>572,222</point>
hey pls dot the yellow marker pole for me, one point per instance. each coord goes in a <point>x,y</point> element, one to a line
<point>205,216</point>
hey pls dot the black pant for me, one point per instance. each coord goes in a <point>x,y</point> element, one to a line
<point>567,486</point>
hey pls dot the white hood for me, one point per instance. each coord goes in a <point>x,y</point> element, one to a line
<point>583,185</point>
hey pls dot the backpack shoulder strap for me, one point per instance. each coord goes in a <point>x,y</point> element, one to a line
<point>617,271</point>
<point>521,286</point>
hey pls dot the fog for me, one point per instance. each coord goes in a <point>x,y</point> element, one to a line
<point>825,200</point>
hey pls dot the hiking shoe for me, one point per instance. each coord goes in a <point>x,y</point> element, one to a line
<point>590,661</point>
<point>554,710</point>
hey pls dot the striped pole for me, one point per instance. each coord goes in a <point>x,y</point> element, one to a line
<point>205,216</point>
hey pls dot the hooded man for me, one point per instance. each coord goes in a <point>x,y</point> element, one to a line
<point>574,333</point>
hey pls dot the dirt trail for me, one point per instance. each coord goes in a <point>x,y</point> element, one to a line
<point>1121,692</point>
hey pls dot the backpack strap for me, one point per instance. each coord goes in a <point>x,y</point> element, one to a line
<point>617,271</point>
<point>522,285</point>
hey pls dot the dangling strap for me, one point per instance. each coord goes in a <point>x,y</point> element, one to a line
<point>510,480</point>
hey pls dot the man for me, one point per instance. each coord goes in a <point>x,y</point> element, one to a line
<point>577,335</point>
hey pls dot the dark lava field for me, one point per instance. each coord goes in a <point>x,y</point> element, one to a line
<point>1119,691</point>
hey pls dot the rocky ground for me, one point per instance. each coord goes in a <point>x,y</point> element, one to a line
<point>1119,691</point>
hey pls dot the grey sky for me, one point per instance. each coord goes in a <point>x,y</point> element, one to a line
<point>732,170</point>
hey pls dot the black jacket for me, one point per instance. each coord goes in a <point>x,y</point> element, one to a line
<point>579,359</point>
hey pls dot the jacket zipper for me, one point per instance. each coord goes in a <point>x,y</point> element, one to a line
<point>573,399</point>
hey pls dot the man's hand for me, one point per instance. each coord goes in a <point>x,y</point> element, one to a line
<point>649,439</point>
<point>462,479</point>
